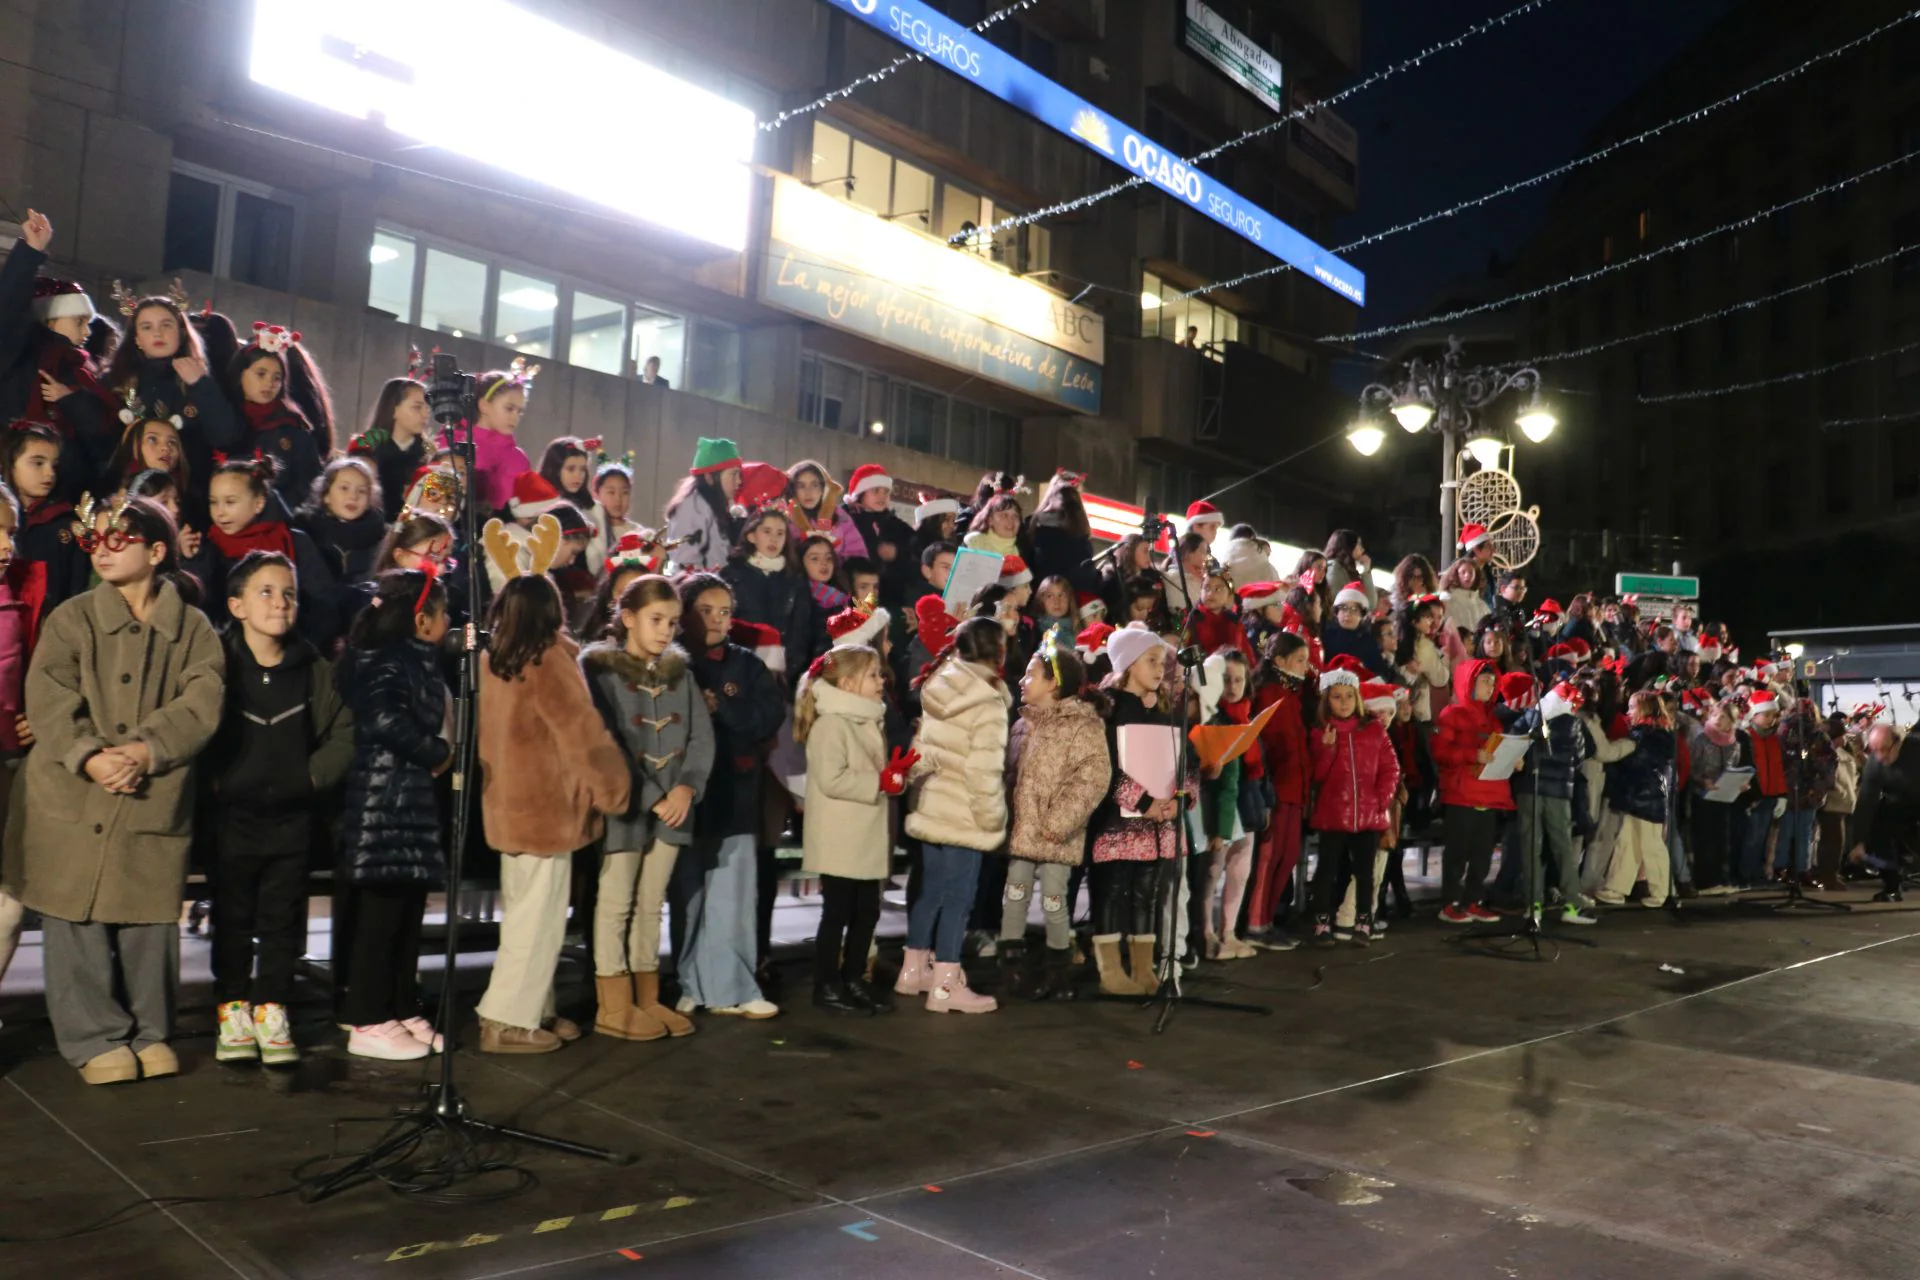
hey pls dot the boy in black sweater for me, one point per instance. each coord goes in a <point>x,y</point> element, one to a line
<point>285,739</point>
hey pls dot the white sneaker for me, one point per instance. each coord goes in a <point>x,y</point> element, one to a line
<point>685,1004</point>
<point>752,1009</point>
<point>385,1040</point>
<point>422,1030</point>
<point>236,1042</point>
<point>275,1037</point>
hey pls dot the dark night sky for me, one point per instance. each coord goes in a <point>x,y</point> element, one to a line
<point>1504,106</point>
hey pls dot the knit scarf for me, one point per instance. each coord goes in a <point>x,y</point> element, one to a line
<point>274,413</point>
<point>1236,712</point>
<point>767,564</point>
<point>1718,737</point>
<point>261,535</point>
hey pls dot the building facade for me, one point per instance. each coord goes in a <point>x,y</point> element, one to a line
<point>835,290</point>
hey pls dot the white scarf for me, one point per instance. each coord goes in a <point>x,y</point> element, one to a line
<point>767,564</point>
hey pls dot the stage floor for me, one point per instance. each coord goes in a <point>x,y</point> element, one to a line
<point>1408,1110</point>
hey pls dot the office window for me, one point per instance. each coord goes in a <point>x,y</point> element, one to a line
<point>831,395</point>
<point>1165,315</point>
<point>832,165</point>
<point>524,311</point>
<point>713,363</point>
<point>390,280</point>
<point>453,296</point>
<point>656,333</point>
<point>230,228</point>
<point>872,178</point>
<point>912,197</point>
<point>598,337</point>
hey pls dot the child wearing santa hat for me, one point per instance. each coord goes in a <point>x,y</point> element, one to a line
<point>1348,632</point>
<point>47,373</point>
<point>1356,776</point>
<point>1205,519</point>
<point>1543,794</point>
<point>886,537</point>
<point>1641,792</point>
<point>1766,800</point>
<point>1285,680</point>
<point>1463,742</point>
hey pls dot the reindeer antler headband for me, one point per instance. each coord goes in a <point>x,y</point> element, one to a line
<point>519,554</point>
<point>129,302</point>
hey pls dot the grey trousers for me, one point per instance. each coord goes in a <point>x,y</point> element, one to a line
<point>1053,877</point>
<point>85,963</point>
<point>1549,833</point>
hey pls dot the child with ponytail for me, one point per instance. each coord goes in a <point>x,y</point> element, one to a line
<point>124,692</point>
<point>839,718</point>
<point>501,395</point>
<point>1060,771</point>
<point>284,402</point>
<point>246,514</point>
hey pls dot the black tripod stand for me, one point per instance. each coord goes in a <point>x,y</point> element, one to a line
<point>443,1111</point>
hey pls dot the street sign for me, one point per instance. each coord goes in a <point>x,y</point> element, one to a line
<point>1653,584</point>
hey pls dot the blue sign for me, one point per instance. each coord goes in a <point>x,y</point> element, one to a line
<point>796,280</point>
<point>969,55</point>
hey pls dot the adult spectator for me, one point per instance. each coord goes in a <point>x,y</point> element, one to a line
<point>1348,562</point>
<point>1888,807</point>
<point>1063,538</point>
<point>1413,576</point>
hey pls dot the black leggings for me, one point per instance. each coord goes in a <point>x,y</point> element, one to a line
<point>383,983</point>
<point>1468,853</point>
<point>1344,854</point>
<point>1124,896</point>
<point>849,911</point>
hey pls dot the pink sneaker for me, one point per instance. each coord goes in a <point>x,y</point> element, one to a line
<point>387,1041</point>
<point>916,973</point>
<point>950,993</point>
<point>422,1030</point>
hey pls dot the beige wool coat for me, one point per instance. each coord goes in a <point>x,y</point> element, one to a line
<point>961,796</point>
<point>1063,774</point>
<point>99,678</point>
<point>846,832</point>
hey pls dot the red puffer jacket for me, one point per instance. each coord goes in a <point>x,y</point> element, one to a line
<point>1283,743</point>
<point>1356,776</point>
<point>1460,733</point>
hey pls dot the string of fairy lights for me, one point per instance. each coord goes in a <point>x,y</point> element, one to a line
<point>1593,157</point>
<point>1779,379</point>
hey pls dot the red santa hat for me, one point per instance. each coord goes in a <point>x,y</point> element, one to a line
<point>1560,652</point>
<point>1560,700</point>
<point>57,299</point>
<point>931,507</point>
<point>1201,511</point>
<point>1088,606</point>
<point>1353,593</point>
<point>1472,535</point>
<point>869,475</point>
<point>1581,649</point>
<point>1351,665</point>
<point>1762,701</point>
<point>533,497</point>
<point>1014,573</point>
<point>1516,689</point>
<point>1377,696</point>
<point>763,640</point>
<point>1091,640</point>
<point>1129,644</point>
<point>1258,595</point>
<point>854,625</point>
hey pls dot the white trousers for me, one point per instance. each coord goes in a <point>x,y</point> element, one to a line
<point>533,924</point>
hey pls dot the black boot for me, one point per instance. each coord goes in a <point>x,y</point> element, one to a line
<point>1013,968</point>
<point>865,997</point>
<point>1056,979</point>
<point>834,996</point>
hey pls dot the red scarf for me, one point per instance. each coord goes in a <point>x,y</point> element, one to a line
<point>261,535</point>
<point>273,415</point>
<point>1237,712</point>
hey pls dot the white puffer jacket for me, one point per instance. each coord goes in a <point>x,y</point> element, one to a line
<point>960,797</point>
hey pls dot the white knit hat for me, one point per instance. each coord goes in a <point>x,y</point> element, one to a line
<point>932,507</point>
<point>1353,593</point>
<point>1127,645</point>
<point>1338,676</point>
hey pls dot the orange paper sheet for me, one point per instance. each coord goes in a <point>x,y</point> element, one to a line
<point>1220,744</point>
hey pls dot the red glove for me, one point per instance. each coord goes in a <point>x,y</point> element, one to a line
<point>893,778</point>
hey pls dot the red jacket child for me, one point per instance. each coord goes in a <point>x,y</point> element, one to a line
<point>1283,743</point>
<point>1216,629</point>
<point>1461,732</point>
<point>1356,776</point>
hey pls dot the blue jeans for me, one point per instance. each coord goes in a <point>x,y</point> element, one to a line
<point>1794,848</point>
<point>1753,843</point>
<point>938,920</point>
<point>722,884</point>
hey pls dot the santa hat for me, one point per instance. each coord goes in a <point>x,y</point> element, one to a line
<point>760,484</point>
<point>854,625</point>
<point>1014,573</point>
<point>1762,701</point>
<point>1709,649</point>
<point>1516,689</point>
<point>633,552</point>
<point>1333,677</point>
<point>1092,640</point>
<point>763,640</point>
<point>533,497</point>
<point>1088,606</point>
<point>1562,652</point>
<point>870,475</point>
<point>1549,608</point>
<point>1764,671</point>
<point>712,456</point>
<point>1581,649</point>
<point>1201,511</point>
<point>1377,696</point>
<point>56,299</point>
<point>1472,535</point>
<point>1129,644</point>
<point>931,507</point>
<point>1353,593</point>
<point>1258,595</point>
<point>1351,665</point>
<point>1560,700</point>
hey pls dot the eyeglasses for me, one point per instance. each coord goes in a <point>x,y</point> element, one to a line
<point>114,540</point>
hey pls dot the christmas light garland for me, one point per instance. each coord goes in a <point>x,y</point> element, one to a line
<point>1798,375</point>
<point>875,77</point>
<point>1728,310</point>
<point>1875,420</point>
<point>1299,113</point>
<point>1585,277</point>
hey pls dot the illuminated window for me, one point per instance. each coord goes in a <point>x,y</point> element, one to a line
<point>524,312</point>
<point>453,297</point>
<point>658,335</point>
<point>597,339</point>
<point>390,275</point>
<point>1188,322</point>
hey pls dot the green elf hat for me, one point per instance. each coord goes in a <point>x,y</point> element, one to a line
<point>710,456</point>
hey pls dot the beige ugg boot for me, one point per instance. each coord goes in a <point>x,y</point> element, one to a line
<point>646,997</point>
<point>1140,951</point>
<point>618,1016</point>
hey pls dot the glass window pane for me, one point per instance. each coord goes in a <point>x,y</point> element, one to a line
<point>1039,248</point>
<point>390,282</point>
<point>262,252</point>
<point>839,397</point>
<point>599,333</point>
<point>831,159</point>
<point>193,221</point>
<point>925,425</point>
<point>454,295</point>
<point>713,365</point>
<point>872,177</point>
<point>959,208</point>
<point>876,408</point>
<point>912,197</point>
<point>524,312</point>
<point>1152,312</point>
<point>966,433</point>
<point>659,336</point>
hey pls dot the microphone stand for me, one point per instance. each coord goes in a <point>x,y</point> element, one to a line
<point>443,1110</point>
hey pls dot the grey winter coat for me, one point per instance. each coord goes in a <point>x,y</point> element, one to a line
<point>656,713</point>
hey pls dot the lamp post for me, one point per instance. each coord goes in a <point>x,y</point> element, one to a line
<point>1442,397</point>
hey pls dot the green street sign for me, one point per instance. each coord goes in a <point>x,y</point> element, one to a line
<point>1653,584</point>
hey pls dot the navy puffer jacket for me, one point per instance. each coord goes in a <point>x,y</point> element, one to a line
<point>1551,766</point>
<point>1639,785</point>
<point>390,817</point>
